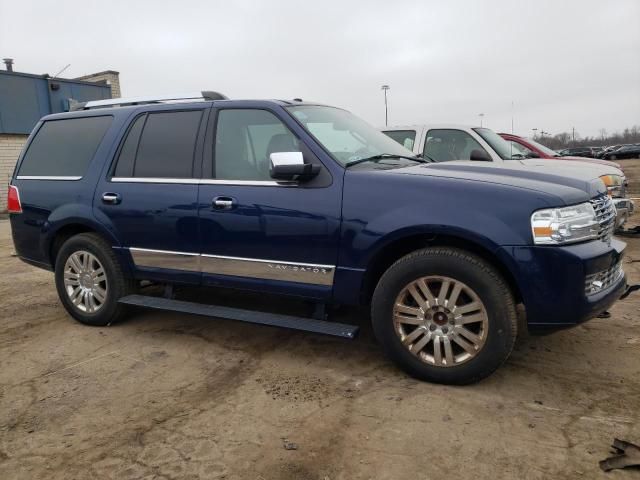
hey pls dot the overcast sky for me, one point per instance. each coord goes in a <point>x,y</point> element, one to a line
<point>563,64</point>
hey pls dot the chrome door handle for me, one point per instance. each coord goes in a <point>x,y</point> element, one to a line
<point>223,203</point>
<point>111,198</point>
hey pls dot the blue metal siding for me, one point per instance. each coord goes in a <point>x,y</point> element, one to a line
<point>25,98</point>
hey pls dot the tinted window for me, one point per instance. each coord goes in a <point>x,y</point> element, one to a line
<point>64,147</point>
<point>167,145</point>
<point>518,150</point>
<point>445,145</point>
<point>129,148</point>
<point>406,138</point>
<point>245,139</point>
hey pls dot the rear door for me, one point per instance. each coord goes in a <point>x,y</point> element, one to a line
<point>148,196</point>
<point>257,233</point>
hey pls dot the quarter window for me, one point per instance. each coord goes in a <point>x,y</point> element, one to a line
<point>64,148</point>
<point>443,145</point>
<point>244,140</point>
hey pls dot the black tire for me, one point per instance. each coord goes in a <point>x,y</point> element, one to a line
<point>118,284</point>
<point>479,276</point>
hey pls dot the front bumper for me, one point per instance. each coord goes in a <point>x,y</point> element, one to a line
<point>624,209</point>
<point>556,282</point>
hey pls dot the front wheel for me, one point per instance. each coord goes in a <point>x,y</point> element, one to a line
<point>90,281</point>
<point>445,315</point>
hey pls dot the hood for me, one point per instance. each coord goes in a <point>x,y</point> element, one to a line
<point>570,167</point>
<point>591,160</point>
<point>579,185</point>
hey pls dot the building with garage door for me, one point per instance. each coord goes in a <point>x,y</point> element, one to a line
<point>25,98</point>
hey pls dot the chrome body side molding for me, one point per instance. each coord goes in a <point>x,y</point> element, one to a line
<point>309,273</point>
<point>47,177</point>
<point>204,181</point>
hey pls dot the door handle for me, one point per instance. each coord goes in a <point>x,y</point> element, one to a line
<point>223,203</point>
<point>111,198</point>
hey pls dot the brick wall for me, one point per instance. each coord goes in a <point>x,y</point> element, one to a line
<point>10,148</point>
<point>110,77</point>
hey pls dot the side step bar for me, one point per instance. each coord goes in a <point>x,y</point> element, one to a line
<point>263,318</point>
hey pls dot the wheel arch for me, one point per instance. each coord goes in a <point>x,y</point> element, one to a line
<point>398,247</point>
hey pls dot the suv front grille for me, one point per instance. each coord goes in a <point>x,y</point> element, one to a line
<point>602,280</point>
<point>605,215</point>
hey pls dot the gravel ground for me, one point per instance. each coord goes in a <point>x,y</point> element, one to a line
<point>178,397</point>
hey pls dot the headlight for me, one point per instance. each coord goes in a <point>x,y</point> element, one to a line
<point>557,226</point>
<point>614,184</point>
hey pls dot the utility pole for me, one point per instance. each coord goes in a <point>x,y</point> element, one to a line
<point>534,132</point>
<point>386,109</point>
<point>481,115</point>
<point>573,135</point>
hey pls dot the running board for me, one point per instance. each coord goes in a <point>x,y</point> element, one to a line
<point>263,318</point>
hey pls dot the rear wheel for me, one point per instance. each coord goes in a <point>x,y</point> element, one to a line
<point>445,315</point>
<point>90,281</point>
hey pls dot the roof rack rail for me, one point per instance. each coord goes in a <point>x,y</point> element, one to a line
<point>122,102</point>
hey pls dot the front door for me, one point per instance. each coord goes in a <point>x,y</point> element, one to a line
<point>148,198</point>
<point>257,233</point>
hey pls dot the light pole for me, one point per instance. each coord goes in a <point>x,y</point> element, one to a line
<point>534,132</point>
<point>481,115</point>
<point>386,110</point>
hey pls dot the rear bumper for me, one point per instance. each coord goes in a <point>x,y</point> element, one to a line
<point>552,281</point>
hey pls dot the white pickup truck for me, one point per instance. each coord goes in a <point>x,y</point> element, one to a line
<point>445,142</point>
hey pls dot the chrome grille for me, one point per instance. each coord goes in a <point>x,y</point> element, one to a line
<point>602,280</point>
<point>605,215</point>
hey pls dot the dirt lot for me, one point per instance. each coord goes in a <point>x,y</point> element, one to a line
<point>178,396</point>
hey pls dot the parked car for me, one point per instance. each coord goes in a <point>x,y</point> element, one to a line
<point>532,149</point>
<point>443,142</point>
<point>626,151</point>
<point>588,152</point>
<point>609,149</point>
<point>302,200</point>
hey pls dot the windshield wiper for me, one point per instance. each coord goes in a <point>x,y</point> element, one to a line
<point>382,156</point>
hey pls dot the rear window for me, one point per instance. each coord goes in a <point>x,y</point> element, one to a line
<point>64,148</point>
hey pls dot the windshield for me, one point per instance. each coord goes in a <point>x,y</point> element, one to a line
<point>499,144</point>
<point>546,150</point>
<point>348,138</point>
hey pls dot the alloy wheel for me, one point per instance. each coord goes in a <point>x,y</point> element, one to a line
<point>440,320</point>
<point>85,281</point>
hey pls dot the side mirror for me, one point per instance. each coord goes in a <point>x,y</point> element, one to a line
<point>479,156</point>
<point>533,155</point>
<point>290,166</point>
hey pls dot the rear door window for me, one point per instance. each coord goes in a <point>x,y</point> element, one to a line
<point>160,145</point>
<point>443,145</point>
<point>406,138</point>
<point>64,148</point>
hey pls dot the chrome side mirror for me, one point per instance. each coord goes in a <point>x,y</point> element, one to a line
<point>290,166</point>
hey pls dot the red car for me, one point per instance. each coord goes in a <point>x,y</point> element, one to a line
<point>532,149</point>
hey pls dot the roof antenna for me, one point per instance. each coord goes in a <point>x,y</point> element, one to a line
<point>56,75</point>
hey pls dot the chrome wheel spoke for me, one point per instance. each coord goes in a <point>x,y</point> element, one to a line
<point>100,294</point>
<point>469,307</point>
<point>416,296</point>
<point>408,340</point>
<point>99,275</point>
<point>465,320</point>
<point>71,278</point>
<point>408,320</point>
<point>453,298</point>
<point>420,344</point>
<point>464,344</point>
<point>414,312</point>
<point>472,337</point>
<point>448,352</point>
<point>437,352</point>
<point>444,289</point>
<point>76,262</point>
<point>424,289</point>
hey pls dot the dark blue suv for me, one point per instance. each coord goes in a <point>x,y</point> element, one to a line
<point>304,200</point>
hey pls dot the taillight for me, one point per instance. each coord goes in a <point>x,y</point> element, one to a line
<point>13,200</point>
